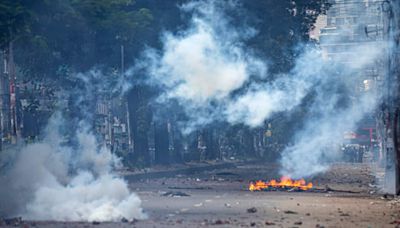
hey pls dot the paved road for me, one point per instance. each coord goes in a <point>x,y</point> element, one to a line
<point>220,198</point>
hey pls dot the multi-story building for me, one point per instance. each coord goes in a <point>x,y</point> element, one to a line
<point>351,26</point>
<point>366,24</point>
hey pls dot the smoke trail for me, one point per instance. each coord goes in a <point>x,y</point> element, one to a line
<point>68,179</point>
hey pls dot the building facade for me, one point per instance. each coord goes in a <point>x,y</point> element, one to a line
<point>366,24</point>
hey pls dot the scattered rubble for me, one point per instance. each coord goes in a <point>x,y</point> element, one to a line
<point>198,205</point>
<point>269,223</point>
<point>221,222</point>
<point>397,222</point>
<point>387,197</point>
<point>175,194</point>
<point>289,212</point>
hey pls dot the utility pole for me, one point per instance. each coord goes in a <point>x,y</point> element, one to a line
<point>13,95</point>
<point>390,104</point>
<point>128,125</point>
<point>5,99</point>
<point>2,76</point>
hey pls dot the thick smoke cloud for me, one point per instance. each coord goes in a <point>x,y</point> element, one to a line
<point>201,66</point>
<point>208,70</point>
<point>68,179</point>
<point>210,73</point>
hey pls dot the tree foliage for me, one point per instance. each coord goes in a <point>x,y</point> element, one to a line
<point>54,36</point>
<point>15,16</point>
<point>281,26</point>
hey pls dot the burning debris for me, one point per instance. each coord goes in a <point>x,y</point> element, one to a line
<point>285,183</point>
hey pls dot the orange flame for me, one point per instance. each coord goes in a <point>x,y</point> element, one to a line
<point>285,182</point>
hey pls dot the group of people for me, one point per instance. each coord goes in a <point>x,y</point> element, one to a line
<point>353,153</point>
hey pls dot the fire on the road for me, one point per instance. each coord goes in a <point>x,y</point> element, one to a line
<point>285,182</point>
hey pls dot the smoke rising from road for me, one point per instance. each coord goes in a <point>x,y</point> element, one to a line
<point>210,73</point>
<point>64,179</point>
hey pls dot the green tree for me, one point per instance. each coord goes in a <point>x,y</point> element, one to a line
<point>15,18</point>
<point>281,26</point>
<point>74,35</point>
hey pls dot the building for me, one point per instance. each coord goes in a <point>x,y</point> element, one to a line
<point>352,25</point>
<point>362,24</point>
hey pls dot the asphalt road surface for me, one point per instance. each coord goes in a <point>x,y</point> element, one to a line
<point>345,196</point>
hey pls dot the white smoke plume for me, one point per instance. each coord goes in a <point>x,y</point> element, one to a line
<point>339,105</point>
<point>55,179</point>
<point>203,65</point>
<point>317,142</point>
<point>210,73</point>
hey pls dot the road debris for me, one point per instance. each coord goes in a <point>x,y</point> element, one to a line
<point>175,194</point>
<point>289,212</point>
<point>397,222</point>
<point>269,223</point>
<point>221,222</point>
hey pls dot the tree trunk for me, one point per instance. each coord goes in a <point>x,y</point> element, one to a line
<point>139,125</point>
<point>161,140</point>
